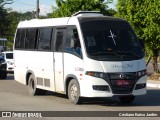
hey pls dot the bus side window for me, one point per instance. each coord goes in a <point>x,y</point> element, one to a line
<point>72,44</point>
<point>31,38</point>
<point>45,39</point>
<point>60,34</point>
<point>20,39</point>
<point>17,40</point>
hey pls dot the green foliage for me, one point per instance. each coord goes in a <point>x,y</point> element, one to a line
<point>3,20</point>
<point>68,7</point>
<point>144,16</point>
<point>14,18</point>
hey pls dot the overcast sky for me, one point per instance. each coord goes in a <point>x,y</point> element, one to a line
<point>30,5</point>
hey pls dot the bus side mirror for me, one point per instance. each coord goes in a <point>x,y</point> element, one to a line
<point>142,44</point>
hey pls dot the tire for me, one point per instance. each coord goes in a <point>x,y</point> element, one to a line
<point>74,92</point>
<point>32,87</point>
<point>127,99</point>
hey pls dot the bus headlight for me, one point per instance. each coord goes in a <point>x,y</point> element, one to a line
<point>96,74</point>
<point>141,73</point>
<point>10,63</point>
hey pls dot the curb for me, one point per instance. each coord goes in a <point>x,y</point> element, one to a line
<point>153,85</point>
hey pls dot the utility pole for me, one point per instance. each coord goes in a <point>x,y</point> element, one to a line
<point>37,10</point>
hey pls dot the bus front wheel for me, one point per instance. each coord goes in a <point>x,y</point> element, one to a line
<point>74,92</point>
<point>32,87</point>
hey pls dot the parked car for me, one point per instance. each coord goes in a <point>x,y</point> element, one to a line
<point>3,67</point>
<point>8,56</point>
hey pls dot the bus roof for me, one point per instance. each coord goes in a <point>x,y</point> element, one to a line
<point>43,22</point>
<point>72,20</point>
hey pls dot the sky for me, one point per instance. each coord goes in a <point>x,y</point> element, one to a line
<point>30,5</point>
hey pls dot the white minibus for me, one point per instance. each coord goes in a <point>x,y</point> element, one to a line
<point>85,55</point>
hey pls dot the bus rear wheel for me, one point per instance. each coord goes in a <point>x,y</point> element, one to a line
<point>74,92</point>
<point>127,99</point>
<point>32,87</point>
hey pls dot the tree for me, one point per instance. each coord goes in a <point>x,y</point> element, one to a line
<point>4,2</point>
<point>14,18</point>
<point>69,7</point>
<point>144,17</point>
<point>4,22</point>
<point>3,13</point>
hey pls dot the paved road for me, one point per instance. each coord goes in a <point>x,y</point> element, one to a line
<point>14,96</point>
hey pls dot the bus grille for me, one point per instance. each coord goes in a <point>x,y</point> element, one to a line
<point>122,83</point>
<point>122,86</point>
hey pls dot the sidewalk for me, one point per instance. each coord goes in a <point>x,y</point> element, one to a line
<point>153,83</point>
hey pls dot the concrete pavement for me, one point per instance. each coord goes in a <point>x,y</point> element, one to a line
<point>153,83</point>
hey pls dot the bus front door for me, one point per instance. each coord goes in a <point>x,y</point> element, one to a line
<point>58,60</point>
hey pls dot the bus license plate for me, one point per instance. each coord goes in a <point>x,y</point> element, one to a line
<point>123,82</point>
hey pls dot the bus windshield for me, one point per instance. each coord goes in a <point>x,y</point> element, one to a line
<point>110,40</point>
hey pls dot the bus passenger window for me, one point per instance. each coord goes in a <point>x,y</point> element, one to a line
<point>31,37</point>
<point>45,39</point>
<point>59,40</point>
<point>20,39</point>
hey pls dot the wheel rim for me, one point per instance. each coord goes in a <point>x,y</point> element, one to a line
<point>74,91</point>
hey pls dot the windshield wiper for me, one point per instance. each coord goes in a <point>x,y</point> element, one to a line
<point>127,53</point>
<point>102,52</point>
<point>107,53</point>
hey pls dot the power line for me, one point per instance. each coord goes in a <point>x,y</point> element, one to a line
<point>23,3</point>
<point>27,10</point>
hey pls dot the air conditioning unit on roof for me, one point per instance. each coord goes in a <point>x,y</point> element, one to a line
<point>88,13</point>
